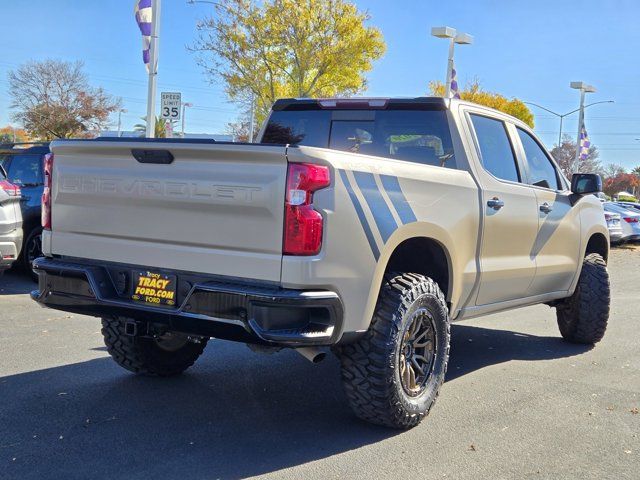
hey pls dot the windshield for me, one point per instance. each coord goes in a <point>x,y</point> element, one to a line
<point>420,136</point>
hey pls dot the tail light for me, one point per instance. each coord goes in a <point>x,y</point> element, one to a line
<point>10,189</point>
<point>631,219</point>
<point>46,194</point>
<point>303,224</point>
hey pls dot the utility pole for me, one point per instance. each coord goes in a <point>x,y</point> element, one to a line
<point>184,110</point>
<point>454,37</point>
<point>584,88</point>
<point>153,68</point>
<point>252,117</point>
<point>120,112</point>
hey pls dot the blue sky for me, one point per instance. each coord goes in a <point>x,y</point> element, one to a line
<point>530,50</point>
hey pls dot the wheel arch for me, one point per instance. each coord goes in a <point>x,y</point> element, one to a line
<point>408,244</point>
<point>598,243</point>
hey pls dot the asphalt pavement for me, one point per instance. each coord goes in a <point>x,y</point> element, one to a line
<point>518,403</point>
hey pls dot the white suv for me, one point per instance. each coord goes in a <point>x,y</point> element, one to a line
<point>10,222</point>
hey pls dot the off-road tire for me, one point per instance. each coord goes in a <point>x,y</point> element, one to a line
<point>143,355</point>
<point>583,317</point>
<point>370,366</point>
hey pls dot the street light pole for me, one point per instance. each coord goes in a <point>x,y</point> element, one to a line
<point>184,111</point>
<point>562,115</point>
<point>584,88</point>
<point>454,37</point>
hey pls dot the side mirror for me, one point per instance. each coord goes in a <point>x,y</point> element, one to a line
<point>585,183</point>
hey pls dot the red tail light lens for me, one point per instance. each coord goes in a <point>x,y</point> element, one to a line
<point>631,219</point>
<point>46,194</point>
<point>303,224</point>
<point>10,189</point>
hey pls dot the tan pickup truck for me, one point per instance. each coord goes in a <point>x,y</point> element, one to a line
<point>364,225</point>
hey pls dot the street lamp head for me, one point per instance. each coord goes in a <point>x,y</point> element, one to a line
<point>583,86</point>
<point>188,104</point>
<point>463,39</point>
<point>443,32</point>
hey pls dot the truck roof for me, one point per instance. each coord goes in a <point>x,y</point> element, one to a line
<point>25,148</point>
<point>378,103</point>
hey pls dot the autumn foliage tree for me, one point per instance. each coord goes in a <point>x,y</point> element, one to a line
<point>11,134</point>
<point>473,92</point>
<point>621,182</point>
<point>53,99</point>
<point>287,48</point>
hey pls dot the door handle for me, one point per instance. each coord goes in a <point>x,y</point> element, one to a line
<point>495,203</point>
<point>546,208</point>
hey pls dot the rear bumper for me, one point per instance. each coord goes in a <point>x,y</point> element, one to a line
<point>10,246</point>
<point>207,306</point>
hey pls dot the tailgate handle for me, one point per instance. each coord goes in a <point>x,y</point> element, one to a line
<point>162,157</point>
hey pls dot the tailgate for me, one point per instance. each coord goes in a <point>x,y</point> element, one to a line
<point>217,208</point>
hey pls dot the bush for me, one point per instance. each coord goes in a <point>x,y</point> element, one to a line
<point>627,198</point>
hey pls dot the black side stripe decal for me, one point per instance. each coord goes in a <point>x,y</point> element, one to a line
<point>363,221</point>
<point>392,187</point>
<point>381,213</point>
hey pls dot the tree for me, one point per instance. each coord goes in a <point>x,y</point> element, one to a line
<point>287,48</point>
<point>11,134</point>
<point>565,155</point>
<point>636,171</point>
<point>53,99</point>
<point>160,127</point>
<point>613,170</point>
<point>473,92</point>
<point>621,182</point>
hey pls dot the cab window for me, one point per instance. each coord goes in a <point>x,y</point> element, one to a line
<point>542,173</point>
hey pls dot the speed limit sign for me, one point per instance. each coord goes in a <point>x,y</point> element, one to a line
<point>170,103</point>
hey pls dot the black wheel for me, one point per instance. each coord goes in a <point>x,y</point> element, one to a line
<point>170,353</point>
<point>31,250</point>
<point>583,316</point>
<point>393,374</point>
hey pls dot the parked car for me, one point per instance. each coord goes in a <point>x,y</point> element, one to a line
<point>614,226</point>
<point>634,207</point>
<point>23,163</point>
<point>630,221</point>
<point>365,225</point>
<point>10,222</point>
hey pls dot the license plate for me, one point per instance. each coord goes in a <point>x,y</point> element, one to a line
<point>154,288</point>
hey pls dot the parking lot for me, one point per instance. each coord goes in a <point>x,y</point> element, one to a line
<point>518,403</point>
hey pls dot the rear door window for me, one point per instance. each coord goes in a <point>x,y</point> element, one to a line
<point>542,173</point>
<point>496,151</point>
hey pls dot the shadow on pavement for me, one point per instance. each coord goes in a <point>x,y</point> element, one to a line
<point>473,348</point>
<point>235,414</point>
<point>14,282</point>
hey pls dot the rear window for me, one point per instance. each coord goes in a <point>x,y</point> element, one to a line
<point>420,136</point>
<point>23,169</point>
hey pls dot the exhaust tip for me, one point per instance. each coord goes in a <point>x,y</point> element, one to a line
<point>313,354</point>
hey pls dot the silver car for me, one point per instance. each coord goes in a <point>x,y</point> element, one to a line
<point>630,221</point>
<point>614,226</point>
<point>10,222</point>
